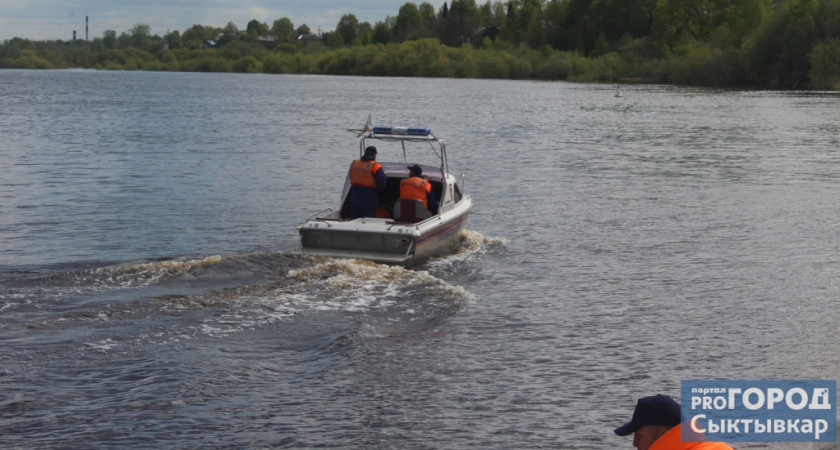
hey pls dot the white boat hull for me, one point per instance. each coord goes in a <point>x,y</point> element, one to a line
<point>383,240</point>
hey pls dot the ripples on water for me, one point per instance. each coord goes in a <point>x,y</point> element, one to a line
<point>618,246</point>
<point>123,339</point>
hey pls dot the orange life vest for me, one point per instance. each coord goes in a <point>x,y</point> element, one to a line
<point>361,173</point>
<point>415,188</point>
<point>672,440</point>
<point>382,213</point>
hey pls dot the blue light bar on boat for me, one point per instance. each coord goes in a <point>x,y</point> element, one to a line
<point>402,131</point>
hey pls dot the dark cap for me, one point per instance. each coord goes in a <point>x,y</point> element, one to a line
<point>416,169</point>
<point>654,410</point>
<point>371,150</point>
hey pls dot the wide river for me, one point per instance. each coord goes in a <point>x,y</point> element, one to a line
<point>148,296</point>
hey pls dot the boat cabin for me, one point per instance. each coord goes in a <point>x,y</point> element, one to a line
<point>390,206</point>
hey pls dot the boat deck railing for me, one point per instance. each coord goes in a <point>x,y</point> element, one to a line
<point>319,216</point>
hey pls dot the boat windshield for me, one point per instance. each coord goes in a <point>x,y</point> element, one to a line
<point>409,145</point>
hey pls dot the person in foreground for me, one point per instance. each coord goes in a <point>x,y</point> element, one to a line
<point>367,179</point>
<point>417,188</point>
<point>656,425</point>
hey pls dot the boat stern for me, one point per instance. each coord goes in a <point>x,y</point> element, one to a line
<point>369,239</point>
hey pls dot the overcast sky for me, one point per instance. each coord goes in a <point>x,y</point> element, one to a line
<point>53,19</point>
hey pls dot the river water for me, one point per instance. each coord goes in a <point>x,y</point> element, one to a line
<point>148,297</point>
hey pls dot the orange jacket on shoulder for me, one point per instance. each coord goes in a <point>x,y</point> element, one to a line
<point>362,173</point>
<point>415,188</point>
<point>672,440</point>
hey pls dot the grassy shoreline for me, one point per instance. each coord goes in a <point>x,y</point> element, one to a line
<point>420,58</point>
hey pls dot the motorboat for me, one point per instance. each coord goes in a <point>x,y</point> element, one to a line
<point>404,231</point>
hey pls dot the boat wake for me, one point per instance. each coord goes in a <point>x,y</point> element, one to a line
<point>463,264</point>
<point>172,301</point>
<point>218,296</point>
<point>473,245</point>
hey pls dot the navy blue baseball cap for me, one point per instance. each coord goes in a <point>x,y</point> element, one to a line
<point>416,169</point>
<point>654,410</point>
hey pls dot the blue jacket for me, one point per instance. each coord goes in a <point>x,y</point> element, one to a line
<point>431,200</point>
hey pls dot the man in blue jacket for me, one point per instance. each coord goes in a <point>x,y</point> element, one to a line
<point>367,179</point>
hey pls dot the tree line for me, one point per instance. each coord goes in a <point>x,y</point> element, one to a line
<point>780,44</point>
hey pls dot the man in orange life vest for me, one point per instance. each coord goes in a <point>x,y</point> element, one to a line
<point>656,426</point>
<point>417,188</point>
<point>366,179</point>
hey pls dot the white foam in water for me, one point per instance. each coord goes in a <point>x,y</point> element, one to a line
<point>342,285</point>
<point>122,276</point>
<point>144,274</point>
<point>328,284</point>
<point>473,244</point>
<point>365,284</point>
<point>102,346</point>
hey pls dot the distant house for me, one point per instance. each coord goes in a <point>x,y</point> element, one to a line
<point>491,32</point>
<point>221,39</point>
<point>307,39</point>
<point>269,40</point>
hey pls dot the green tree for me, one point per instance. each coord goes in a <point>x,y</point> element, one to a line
<point>602,47</point>
<point>582,31</point>
<point>124,40</point>
<point>228,34</point>
<point>283,28</point>
<point>303,29</point>
<point>646,10</point>
<point>534,34</point>
<point>261,28</point>
<point>518,17</point>
<point>248,64</point>
<point>364,34</point>
<point>173,39</point>
<point>617,18</point>
<point>169,61</point>
<point>29,59</point>
<point>333,40</point>
<point>109,39</point>
<point>556,33</point>
<point>776,54</point>
<point>95,46</point>
<point>701,64</point>
<point>140,34</point>
<point>484,14</point>
<point>745,16</point>
<point>500,14</point>
<point>382,34</point>
<point>825,65</point>
<point>347,27</point>
<point>698,18</point>
<point>13,47</point>
<point>459,23</point>
<point>408,22</point>
<point>427,12</point>
<point>196,35</point>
